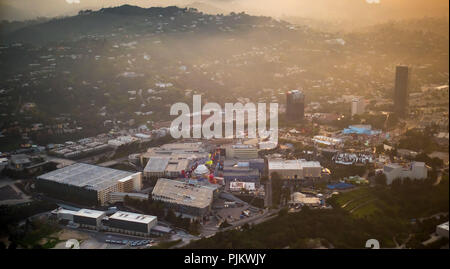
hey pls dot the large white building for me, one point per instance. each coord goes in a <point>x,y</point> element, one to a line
<point>170,160</point>
<point>414,170</point>
<point>331,141</point>
<point>295,169</point>
<point>89,218</point>
<point>119,222</point>
<point>131,223</point>
<point>88,184</point>
<point>194,200</point>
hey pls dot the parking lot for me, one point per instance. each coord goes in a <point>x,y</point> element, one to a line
<point>131,243</point>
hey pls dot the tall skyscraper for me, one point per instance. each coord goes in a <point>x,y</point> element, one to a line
<point>358,106</point>
<point>401,90</point>
<point>295,105</point>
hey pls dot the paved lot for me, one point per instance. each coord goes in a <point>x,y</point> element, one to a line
<point>10,194</point>
<point>94,240</point>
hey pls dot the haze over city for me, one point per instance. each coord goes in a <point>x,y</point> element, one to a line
<point>224,124</point>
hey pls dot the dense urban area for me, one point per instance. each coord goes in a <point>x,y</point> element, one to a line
<point>86,151</point>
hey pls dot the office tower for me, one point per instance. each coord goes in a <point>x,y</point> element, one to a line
<point>401,90</point>
<point>358,106</point>
<point>295,105</point>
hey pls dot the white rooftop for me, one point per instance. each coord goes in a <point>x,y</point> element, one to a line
<point>89,213</point>
<point>201,169</point>
<point>132,217</point>
<point>86,175</point>
<point>444,226</point>
<point>291,164</point>
<point>183,193</point>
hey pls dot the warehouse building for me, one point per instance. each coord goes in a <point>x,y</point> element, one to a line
<point>190,199</point>
<point>295,169</point>
<point>171,160</point>
<point>130,223</point>
<point>64,214</point>
<point>257,164</point>
<point>182,149</point>
<point>120,222</point>
<point>156,166</point>
<point>85,218</point>
<point>88,218</point>
<point>241,151</point>
<point>245,170</point>
<point>87,184</point>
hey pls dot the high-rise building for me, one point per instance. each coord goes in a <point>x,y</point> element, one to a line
<point>401,90</point>
<point>295,105</point>
<point>358,106</point>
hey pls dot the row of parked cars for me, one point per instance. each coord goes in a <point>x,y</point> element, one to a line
<point>119,242</point>
<point>141,243</point>
<point>132,243</point>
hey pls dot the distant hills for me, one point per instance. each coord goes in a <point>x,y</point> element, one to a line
<point>125,19</point>
<point>349,10</point>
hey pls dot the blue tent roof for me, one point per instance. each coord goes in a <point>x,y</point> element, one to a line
<point>340,186</point>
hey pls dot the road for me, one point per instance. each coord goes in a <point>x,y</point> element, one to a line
<point>439,178</point>
<point>211,231</point>
<point>185,238</point>
<point>97,239</point>
<point>60,161</point>
<point>267,215</point>
<point>113,162</point>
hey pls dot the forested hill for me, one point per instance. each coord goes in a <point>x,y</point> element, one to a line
<point>133,20</point>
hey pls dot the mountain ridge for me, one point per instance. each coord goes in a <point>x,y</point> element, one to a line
<point>136,20</point>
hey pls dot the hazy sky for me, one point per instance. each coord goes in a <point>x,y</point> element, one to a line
<point>373,10</point>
